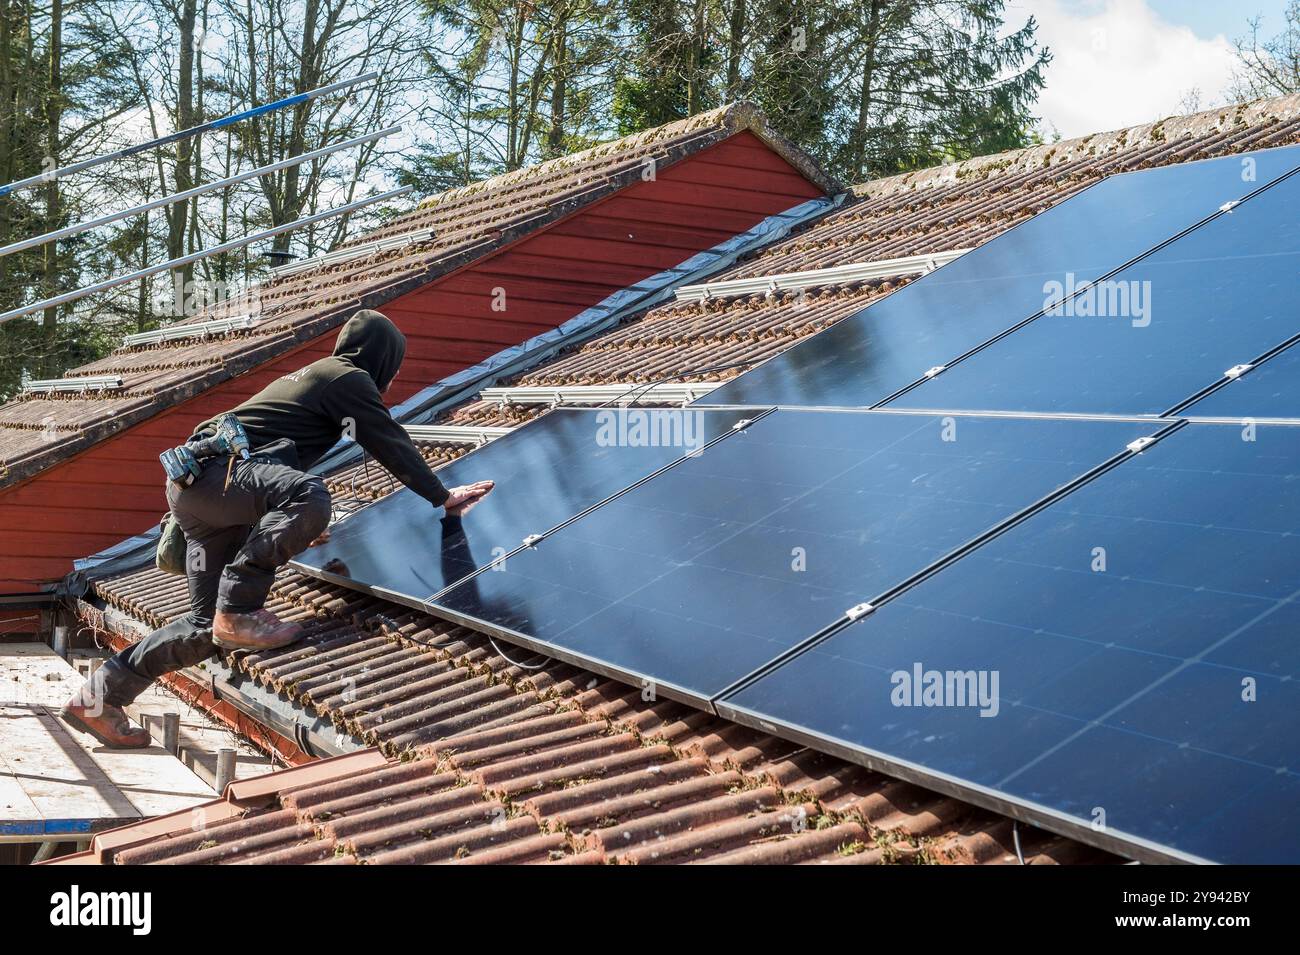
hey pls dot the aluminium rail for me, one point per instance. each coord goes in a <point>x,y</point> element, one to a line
<point>218,326</point>
<point>76,385</point>
<point>354,252</point>
<point>40,178</point>
<point>112,217</point>
<point>455,433</point>
<point>202,254</point>
<point>677,392</point>
<point>837,275</point>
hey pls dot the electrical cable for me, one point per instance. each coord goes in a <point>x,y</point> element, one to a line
<point>546,661</point>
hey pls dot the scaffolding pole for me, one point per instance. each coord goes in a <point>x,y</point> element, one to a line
<point>40,178</point>
<point>195,256</point>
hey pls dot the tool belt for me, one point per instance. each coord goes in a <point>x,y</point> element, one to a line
<point>170,556</point>
<point>183,464</point>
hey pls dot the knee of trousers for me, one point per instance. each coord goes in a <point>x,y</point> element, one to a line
<point>316,505</point>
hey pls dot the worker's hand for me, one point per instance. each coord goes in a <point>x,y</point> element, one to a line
<point>466,496</point>
<point>322,538</point>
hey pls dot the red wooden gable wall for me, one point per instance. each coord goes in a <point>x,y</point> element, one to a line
<point>114,489</point>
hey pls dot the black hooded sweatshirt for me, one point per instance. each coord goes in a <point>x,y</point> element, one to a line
<point>315,405</point>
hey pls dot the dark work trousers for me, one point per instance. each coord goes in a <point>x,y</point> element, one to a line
<point>236,538</point>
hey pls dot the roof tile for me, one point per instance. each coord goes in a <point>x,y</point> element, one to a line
<point>556,765</point>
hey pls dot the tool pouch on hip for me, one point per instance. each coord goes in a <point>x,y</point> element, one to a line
<point>171,547</point>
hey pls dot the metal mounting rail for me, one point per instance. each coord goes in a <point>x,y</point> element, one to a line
<point>202,254</point>
<point>41,178</point>
<point>455,433</point>
<point>678,392</point>
<point>84,383</point>
<point>354,252</point>
<point>219,326</point>
<point>207,187</point>
<point>838,275</point>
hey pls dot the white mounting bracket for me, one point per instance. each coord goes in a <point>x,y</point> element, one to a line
<point>742,424</point>
<point>1236,371</point>
<point>935,370</point>
<point>1140,444</point>
<point>858,611</point>
<point>1229,206</point>
<point>532,540</point>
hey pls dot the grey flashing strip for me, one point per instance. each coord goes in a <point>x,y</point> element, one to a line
<point>123,556</point>
<point>426,405</point>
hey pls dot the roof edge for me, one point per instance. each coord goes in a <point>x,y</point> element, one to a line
<point>744,115</point>
<point>729,120</point>
<point>1170,128</point>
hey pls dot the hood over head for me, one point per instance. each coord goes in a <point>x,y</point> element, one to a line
<point>372,343</point>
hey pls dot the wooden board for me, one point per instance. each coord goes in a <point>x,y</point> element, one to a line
<point>68,791</point>
<point>56,782</point>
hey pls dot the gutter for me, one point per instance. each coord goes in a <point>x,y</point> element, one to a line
<point>297,736</point>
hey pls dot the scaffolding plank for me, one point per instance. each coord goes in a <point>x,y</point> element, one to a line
<point>57,781</point>
<point>70,792</point>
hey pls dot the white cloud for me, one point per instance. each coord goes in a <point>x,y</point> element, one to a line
<point>1117,63</point>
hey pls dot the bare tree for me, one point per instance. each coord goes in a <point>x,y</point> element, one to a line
<point>276,48</point>
<point>1268,66</point>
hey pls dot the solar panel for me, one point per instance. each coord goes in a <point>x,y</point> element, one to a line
<point>892,343</point>
<point>1269,390</point>
<point>546,472</point>
<point>709,570</point>
<point>1142,634</point>
<point>1154,334</point>
<point>1122,624</point>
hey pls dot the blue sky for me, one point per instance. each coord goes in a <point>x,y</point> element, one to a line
<point>1209,18</point>
<point>1118,63</point>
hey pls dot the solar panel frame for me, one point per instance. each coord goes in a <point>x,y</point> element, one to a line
<point>1109,837</point>
<point>703,699</point>
<point>717,398</point>
<point>318,568</point>
<point>1030,344</point>
<point>1207,404</point>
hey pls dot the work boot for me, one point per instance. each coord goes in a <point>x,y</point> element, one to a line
<point>259,630</point>
<point>105,722</point>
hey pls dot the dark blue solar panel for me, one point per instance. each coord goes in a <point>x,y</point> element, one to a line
<point>1126,623</point>
<point>1216,298</point>
<point>1269,390</point>
<point>711,569</point>
<point>933,320</point>
<point>546,472</point>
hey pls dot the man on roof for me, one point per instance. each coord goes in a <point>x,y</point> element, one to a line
<point>243,519</point>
